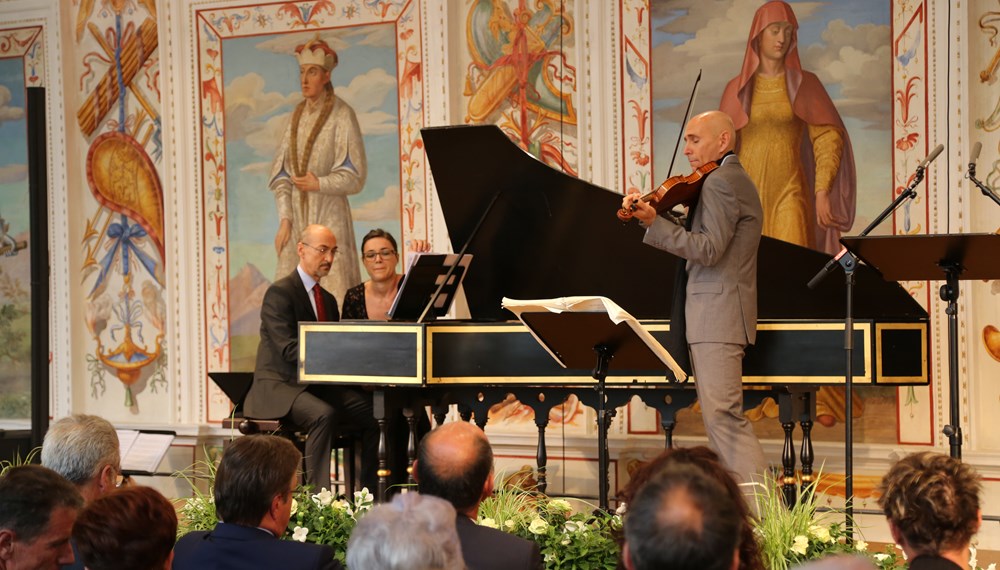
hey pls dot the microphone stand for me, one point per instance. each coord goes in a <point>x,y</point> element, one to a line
<point>987,191</point>
<point>848,261</point>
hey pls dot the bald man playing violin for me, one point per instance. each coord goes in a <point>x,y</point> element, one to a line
<point>721,295</point>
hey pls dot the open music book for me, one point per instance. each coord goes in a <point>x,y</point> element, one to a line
<point>142,451</point>
<point>615,314</point>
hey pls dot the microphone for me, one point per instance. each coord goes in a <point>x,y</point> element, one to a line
<point>930,157</point>
<point>830,265</point>
<point>974,156</point>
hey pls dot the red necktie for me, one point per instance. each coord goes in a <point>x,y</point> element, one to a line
<point>320,309</point>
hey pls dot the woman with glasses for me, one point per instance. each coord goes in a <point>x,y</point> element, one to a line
<point>372,299</point>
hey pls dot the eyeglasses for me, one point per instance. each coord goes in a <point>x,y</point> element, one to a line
<point>322,250</point>
<point>384,254</point>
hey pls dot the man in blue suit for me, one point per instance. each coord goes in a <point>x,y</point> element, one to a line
<point>253,498</point>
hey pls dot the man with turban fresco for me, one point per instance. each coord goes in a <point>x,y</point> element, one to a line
<point>320,162</point>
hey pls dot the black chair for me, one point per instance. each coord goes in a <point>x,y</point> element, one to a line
<point>346,444</point>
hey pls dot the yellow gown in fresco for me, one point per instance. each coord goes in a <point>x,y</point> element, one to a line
<point>771,153</point>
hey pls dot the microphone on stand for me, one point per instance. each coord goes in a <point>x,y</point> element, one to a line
<point>973,157</point>
<point>930,157</point>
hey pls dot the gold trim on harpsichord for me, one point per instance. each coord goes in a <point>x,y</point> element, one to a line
<point>865,347</point>
<point>379,328</point>
<point>924,377</point>
<point>515,327</point>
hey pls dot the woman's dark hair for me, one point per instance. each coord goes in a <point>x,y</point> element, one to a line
<point>378,233</point>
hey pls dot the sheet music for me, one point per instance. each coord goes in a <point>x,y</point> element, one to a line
<point>615,313</point>
<point>439,263</point>
<point>142,451</point>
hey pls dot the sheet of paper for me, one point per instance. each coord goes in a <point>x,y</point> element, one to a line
<point>146,452</point>
<point>615,313</point>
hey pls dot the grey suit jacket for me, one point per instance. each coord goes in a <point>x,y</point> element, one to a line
<point>275,386</point>
<point>721,254</point>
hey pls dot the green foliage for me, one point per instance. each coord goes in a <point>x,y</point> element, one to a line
<point>6,464</point>
<point>198,511</point>
<point>15,405</point>
<point>580,541</point>
<point>791,535</point>
<point>324,519</point>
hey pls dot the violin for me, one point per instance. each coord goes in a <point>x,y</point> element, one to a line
<point>674,191</point>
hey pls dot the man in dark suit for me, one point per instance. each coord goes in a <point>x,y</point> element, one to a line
<point>275,393</point>
<point>721,295</point>
<point>253,498</point>
<point>455,463</point>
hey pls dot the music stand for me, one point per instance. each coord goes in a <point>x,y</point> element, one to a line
<point>951,257</point>
<point>431,278</point>
<point>576,332</point>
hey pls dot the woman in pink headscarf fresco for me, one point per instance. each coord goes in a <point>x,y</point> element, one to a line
<point>793,144</point>
<point>790,137</point>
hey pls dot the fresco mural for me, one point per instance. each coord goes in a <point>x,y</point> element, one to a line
<point>520,76</point>
<point>20,67</point>
<point>122,242</point>
<point>250,90</point>
<point>825,64</point>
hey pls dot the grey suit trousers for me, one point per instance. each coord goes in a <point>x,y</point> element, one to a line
<point>718,374</point>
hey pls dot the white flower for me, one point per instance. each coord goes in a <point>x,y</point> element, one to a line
<point>363,498</point>
<point>820,533</point>
<point>574,526</point>
<point>992,566</point>
<point>509,523</point>
<point>488,522</point>
<point>340,505</point>
<point>622,509</point>
<point>295,506</point>
<point>560,506</point>
<point>799,544</point>
<point>973,560</point>
<point>881,557</point>
<point>300,533</point>
<point>538,526</point>
<point>861,546</point>
<point>323,498</point>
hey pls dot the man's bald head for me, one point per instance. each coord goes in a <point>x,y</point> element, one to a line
<point>707,137</point>
<point>454,462</point>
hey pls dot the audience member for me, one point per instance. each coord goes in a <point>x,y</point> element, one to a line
<point>132,528</point>
<point>37,511</point>
<point>84,449</point>
<point>455,463</point>
<point>708,461</point>
<point>931,502</point>
<point>682,520</point>
<point>253,499</point>
<point>413,532</point>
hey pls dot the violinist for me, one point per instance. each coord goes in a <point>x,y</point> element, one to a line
<point>721,293</point>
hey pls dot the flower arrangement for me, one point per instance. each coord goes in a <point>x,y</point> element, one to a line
<point>791,535</point>
<point>580,541</point>
<point>324,519</point>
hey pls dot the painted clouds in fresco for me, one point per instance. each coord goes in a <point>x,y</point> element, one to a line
<point>850,61</point>
<point>375,210</point>
<point>8,112</point>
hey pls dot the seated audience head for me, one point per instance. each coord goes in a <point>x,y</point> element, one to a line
<point>708,461</point>
<point>255,480</point>
<point>413,532</point>
<point>132,527</point>
<point>84,449</point>
<point>932,505</point>
<point>37,510</point>
<point>455,462</point>
<point>683,520</point>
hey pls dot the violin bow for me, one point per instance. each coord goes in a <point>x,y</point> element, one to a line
<point>677,145</point>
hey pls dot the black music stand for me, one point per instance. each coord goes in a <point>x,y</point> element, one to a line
<point>577,339</point>
<point>429,287</point>
<point>951,257</point>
